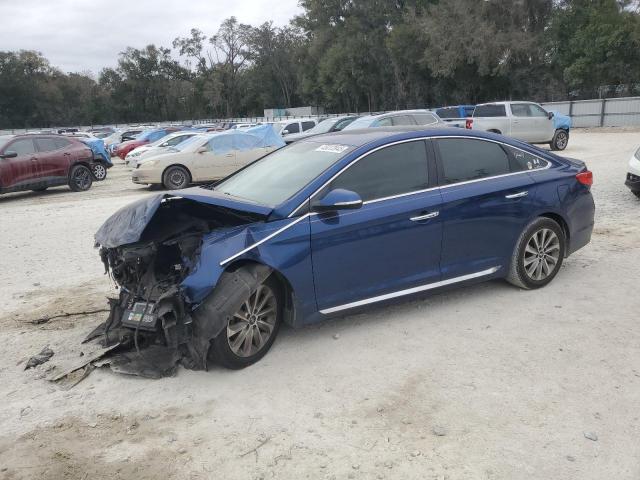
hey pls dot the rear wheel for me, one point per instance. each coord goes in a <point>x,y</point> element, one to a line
<point>80,178</point>
<point>538,255</point>
<point>560,140</point>
<point>175,178</point>
<point>252,329</point>
<point>99,172</point>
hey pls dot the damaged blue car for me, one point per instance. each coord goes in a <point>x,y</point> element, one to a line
<point>327,226</point>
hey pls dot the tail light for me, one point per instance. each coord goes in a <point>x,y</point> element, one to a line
<point>468,124</point>
<point>585,178</point>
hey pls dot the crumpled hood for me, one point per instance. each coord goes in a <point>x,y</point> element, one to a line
<point>127,224</point>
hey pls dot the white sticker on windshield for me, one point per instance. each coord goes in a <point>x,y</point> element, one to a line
<point>331,148</point>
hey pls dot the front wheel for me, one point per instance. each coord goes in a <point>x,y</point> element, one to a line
<point>637,193</point>
<point>80,178</point>
<point>176,178</point>
<point>252,329</point>
<point>538,254</point>
<point>560,140</point>
<point>99,172</point>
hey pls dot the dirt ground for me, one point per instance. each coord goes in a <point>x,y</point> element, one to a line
<point>487,382</point>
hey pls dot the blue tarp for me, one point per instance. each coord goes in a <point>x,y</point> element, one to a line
<point>99,150</point>
<point>561,121</point>
<point>246,139</point>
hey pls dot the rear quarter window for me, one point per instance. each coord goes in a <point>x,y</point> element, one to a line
<point>490,111</point>
<point>526,161</point>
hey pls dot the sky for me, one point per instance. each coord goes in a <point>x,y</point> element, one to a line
<point>87,35</point>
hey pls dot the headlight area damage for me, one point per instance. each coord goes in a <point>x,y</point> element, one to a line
<point>152,249</point>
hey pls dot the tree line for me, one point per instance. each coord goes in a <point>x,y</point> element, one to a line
<point>345,56</point>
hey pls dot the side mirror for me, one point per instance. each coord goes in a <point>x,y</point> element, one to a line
<point>202,150</point>
<point>9,154</point>
<point>550,115</point>
<point>285,132</point>
<point>338,199</point>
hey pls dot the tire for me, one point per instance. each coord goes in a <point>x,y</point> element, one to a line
<point>524,271</point>
<point>560,140</point>
<point>497,132</point>
<point>39,189</point>
<point>80,178</point>
<point>225,349</point>
<point>637,194</point>
<point>99,172</point>
<point>175,178</point>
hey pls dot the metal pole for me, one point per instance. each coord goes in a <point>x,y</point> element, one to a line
<point>604,100</point>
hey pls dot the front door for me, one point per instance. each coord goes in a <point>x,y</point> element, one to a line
<point>486,203</point>
<point>22,169</point>
<point>391,243</point>
<point>218,161</point>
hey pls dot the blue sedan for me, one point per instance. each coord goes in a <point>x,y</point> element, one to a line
<point>333,224</point>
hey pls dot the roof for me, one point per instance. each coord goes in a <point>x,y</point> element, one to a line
<point>360,137</point>
<point>505,102</point>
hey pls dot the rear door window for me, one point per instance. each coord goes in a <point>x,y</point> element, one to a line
<point>520,110</point>
<point>62,142</point>
<point>46,144</point>
<point>307,125</point>
<point>490,111</point>
<point>425,118</point>
<point>387,172</point>
<point>464,159</point>
<point>24,146</point>
<point>403,120</point>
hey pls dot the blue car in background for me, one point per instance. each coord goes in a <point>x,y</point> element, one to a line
<point>333,224</point>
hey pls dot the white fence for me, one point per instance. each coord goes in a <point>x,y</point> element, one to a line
<point>606,112</point>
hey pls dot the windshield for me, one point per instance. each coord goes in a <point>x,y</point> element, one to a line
<point>324,126</point>
<point>363,122</point>
<point>190,142</point>
<point>280,175</point>
<point>4,139</point>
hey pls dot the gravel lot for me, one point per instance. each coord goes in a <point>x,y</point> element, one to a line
<point>487,382</point>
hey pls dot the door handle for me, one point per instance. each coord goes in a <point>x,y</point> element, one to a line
<point>517,195</point>
<point>229,155</point>
<point>425,217</point>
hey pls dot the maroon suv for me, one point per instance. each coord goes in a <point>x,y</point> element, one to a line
<point>37,162</point>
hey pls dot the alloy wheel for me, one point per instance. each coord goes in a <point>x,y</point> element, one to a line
<point>177,178</point>
<point>541,254</point>
<point>253,324</point>
<point>562,140</point>
<point>82,178</point>
<point>99,172</point>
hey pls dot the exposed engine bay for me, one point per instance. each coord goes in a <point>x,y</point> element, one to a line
<point>152,326</point>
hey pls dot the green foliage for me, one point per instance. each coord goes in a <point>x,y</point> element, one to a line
<point>344,55</point>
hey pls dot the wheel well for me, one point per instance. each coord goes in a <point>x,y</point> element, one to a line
<point>563,224</point>
<point>84,163</point>
<point>287,289</point>
<point>176,165</point>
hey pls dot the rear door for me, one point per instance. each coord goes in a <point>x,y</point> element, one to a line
<point>54,157</point>
<point>392,242</point>
<point>23,169</point>
<point>486,202</point>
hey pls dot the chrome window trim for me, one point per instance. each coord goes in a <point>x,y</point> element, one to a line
<point>364,155</point>
<point>409,291</point>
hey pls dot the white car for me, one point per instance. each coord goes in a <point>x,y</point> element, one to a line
<point>207,157</point>
<point>295,125</point>
<point>158,147</point>
<point>633,175</point>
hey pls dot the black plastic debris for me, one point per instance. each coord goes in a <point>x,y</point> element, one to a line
<point>40,358</point>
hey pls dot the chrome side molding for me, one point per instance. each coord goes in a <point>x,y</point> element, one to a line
<point>409,291</point>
